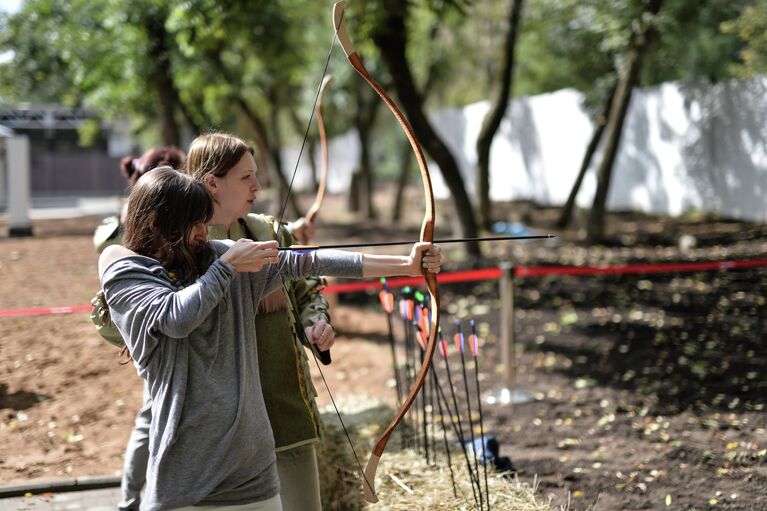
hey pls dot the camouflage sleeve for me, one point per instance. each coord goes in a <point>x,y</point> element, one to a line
<point>312,305</point>
<point>110,232</point>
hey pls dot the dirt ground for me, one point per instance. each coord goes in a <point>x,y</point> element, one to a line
<point>648,390</point>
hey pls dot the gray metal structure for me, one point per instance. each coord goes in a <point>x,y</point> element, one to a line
<point>59,164</point>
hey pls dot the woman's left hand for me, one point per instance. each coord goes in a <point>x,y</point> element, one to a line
<point>302,229</point>
<point>321,334</point>
<point>425,255</point>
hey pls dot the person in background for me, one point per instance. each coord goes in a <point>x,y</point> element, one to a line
<point>110,232</point>
<point>132,168</point>
<point>186,308</point>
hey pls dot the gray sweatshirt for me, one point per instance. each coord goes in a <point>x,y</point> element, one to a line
<point>210,441</point>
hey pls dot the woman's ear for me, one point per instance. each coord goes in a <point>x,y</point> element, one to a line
<point>211,184</point>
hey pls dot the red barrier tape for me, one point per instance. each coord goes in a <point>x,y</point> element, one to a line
<point>45,311</point>
<point>477,275</point>
<point>442,278</point>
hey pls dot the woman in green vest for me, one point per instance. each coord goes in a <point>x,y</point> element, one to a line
<point>287,319</point>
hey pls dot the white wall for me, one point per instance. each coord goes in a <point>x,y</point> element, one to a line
<point>684,146</point>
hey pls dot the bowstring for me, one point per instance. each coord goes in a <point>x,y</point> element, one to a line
<point>279,222</point>
<point>343,426</point>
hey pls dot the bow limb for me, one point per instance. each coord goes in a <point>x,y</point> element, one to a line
<point>427,234</point>
<point>315,207</point>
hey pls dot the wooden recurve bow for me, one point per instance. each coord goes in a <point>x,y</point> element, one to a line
<point>427,235</point>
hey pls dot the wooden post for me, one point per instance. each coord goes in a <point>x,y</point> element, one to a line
<point>507,325</point>
<point>3,172</point>
<point>507,394</point>
<point>17,157</point>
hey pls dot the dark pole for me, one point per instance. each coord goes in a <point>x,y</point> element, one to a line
<point>461,436</point>
<point>474,345</point>
<point>387,302</point>
<point>444,429</point>
<point>459,340</point>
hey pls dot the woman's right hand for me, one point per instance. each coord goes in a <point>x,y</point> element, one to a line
<point>251,256</point>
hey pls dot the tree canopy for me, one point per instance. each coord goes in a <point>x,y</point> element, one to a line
<point>173,69</point>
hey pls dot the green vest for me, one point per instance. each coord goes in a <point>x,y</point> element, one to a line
<point>286,382</point>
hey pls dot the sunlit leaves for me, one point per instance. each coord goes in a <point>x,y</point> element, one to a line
<point>751,28</point>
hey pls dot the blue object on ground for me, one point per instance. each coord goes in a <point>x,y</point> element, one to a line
<point>511,229</point>
<point>490,453</point>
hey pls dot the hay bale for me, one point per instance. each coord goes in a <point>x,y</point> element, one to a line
<point>404,480</point>
<point>340,478</point>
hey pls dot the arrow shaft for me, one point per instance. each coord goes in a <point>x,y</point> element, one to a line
<point>395,243</point>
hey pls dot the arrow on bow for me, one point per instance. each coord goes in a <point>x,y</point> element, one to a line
<point>410,242</point>
<point>427,235</point>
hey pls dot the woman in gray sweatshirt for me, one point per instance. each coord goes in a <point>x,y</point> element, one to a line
<point>186,308</point>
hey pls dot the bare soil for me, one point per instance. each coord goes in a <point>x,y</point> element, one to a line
<point>649,390</point>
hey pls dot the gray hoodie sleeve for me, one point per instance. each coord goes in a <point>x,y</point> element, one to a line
<point>144,304</point>
<point>295,265</point>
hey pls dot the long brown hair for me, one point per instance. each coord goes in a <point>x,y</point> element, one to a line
<point>163,207</point>
<point>215,154</point>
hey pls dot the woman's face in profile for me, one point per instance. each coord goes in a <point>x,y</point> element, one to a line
<point>198,235</point>
<point>235,193</point>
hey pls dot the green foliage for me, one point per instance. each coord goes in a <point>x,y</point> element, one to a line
<point>82,53</point>
<point>95,53</point>
<point>750,28</point>
<point>268,52</point>
<point>34,72</point>
<point>690,44</point>
<point>571,43</point>
<point>580,44</point>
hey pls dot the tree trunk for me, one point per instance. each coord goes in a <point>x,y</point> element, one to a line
<point>391,39</point>
<point>286,193</point>
<point>364,117</point>
<point>353,201</point>
<point>193,125</point>
<point>406,153</point>
<point>266,150</point>
<point>591,149</point>
<point>162,78</point>
<point>366,176</point>
<point>638,46</point>
<point>495,115</point>
<point>259,136</point>
<point>256,123</point>
<point>406,160</point>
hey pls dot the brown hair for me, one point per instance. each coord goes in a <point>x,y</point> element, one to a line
<point>215,154</point>
<point>163,207</point>
<point>133,168</point>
